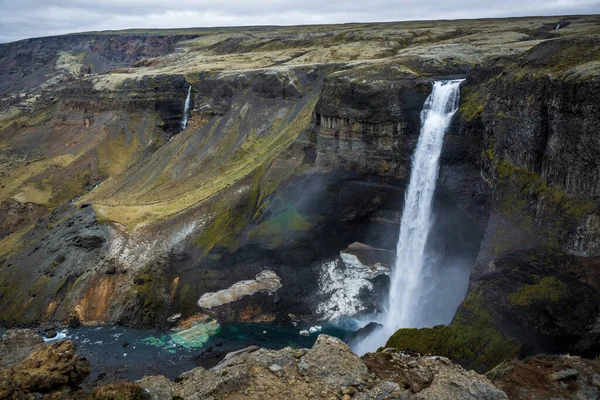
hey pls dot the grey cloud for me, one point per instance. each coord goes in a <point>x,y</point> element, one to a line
<point>32,18</point>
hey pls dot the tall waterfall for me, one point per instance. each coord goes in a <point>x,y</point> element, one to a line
<point>409,274</point>
<point>186,109</point>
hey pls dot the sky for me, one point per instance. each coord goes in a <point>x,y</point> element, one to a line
<point>21,19</point>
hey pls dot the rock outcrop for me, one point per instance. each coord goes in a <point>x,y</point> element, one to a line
<point>541,150</point>
<point>328,370</point>
<point>556,377</point>
<point>47,369</point>
<point>16,345</point>
<point>266,281</point>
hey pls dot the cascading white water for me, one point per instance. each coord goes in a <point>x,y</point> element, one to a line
<point>186,109</point>
<point>410,270</point>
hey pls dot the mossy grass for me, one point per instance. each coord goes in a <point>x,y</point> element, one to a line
<point>546,289</point>
<point>530,182</point>
<point>471,339</point>
<point>131,207</point>
<point>472,103</point>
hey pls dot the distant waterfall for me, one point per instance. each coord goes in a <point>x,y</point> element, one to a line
<point>410,270</point>
<point>186,109</point>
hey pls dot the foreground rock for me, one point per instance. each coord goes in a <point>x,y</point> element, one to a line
<point>47,369</point>
<point>545,377</point>
<point>16,345</point>
<point>330,370</point>
<point>430,377</point>
<point>30,369</point>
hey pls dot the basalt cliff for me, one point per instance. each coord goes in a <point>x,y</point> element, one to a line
<point>285,188</point>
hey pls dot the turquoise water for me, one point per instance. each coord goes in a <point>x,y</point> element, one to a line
<point>156,353</point>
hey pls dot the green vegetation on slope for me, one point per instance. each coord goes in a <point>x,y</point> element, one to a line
<point>521,187</point>
<point>470,339</point>
<point>198,164</point>
<point>275,230</point>
<point>547,289</point>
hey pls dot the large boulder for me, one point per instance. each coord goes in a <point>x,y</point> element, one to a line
<point>48,368</point>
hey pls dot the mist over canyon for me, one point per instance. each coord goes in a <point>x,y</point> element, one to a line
<point>427,192</point>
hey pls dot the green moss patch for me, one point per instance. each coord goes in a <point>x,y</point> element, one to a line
<point>225,228</point>
<point>547,289</point>
<point>522,189</point>
<point>471,339</point>
<point>147,287</point>
<point>472,104</point>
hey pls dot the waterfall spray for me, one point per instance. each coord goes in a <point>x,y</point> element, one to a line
<point>407,278</point>
<point>186,109</point>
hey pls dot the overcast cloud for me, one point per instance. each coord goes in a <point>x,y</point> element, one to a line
<point>21,19</point>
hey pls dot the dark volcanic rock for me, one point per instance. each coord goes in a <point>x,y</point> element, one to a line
<point>366,331</point>
<point>545,301</point>
<point>268,84</point>
<point>369,127</point>
<point>541,147</point>
<point>89,240</point>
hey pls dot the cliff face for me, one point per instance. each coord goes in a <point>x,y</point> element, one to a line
<point>534,286</point>
<point>288,194</point>
<point>369,127</point>
<point>114,214</point>
<point>540,140</point>
<point>541,157</point>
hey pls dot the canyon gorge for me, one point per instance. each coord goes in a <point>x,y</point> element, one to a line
<point>203,179</point>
